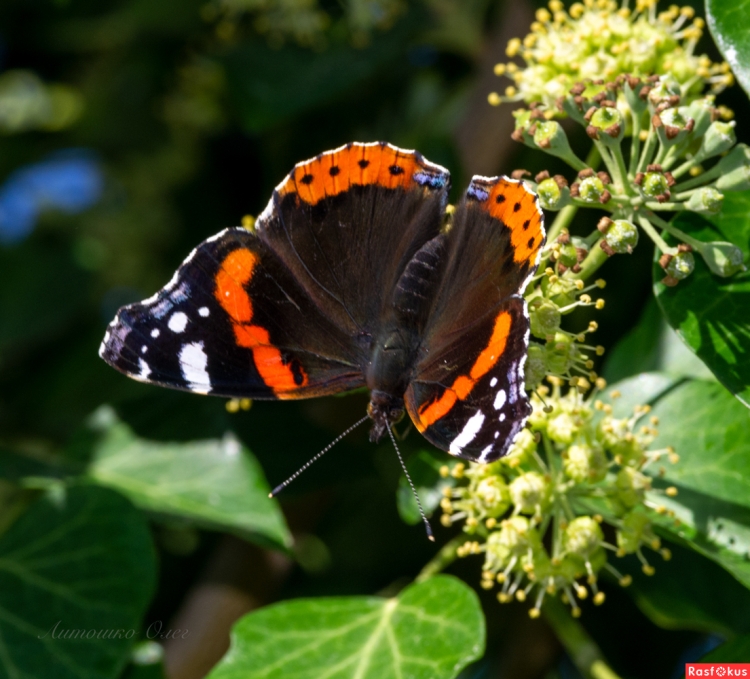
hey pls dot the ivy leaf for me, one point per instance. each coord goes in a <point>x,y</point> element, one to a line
<point>728,22</point>
<point>708,429</point>
<point>432,630</point>
<point>75,581</point>
<point>216,483</point>
<point>712,314</point>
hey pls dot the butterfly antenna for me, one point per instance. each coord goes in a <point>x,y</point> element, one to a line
<point>310,462</point>
<point>430,536</point>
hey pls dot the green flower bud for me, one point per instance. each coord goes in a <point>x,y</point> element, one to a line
<point>635,529</point>
<point>522,449</point>
<point>681,265</point>
<point>665,88</point>
<point>724,259</point>
<point>701,111</point>
<point>492,495</point>
<point>536,367</point>
<point>611,431</point>
<point>622,236</point>
<point>654,184</point>
<point>523,123</point>
<point>560,353</point>
<point>530,492</point>
<point>551,196</point>
<point>675,125</point>
<point>568,255</point>
<point>585,464</point>
<point>705,201</point>
<point>631,486</point>
<point>550,136</point>
<point>627,450</point>
<point>591,189</point>
<point>583,537</point>
<point>515,538</point>
<point>562,428</point>
<point>734,170</point>
<point>609,124</point>
<point>719,137</point>
<point>545,319</point>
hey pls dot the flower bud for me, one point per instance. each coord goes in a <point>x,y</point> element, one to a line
<point>665,88</point>
<point>550,136</point>
<point>705,201</point>
<point>609,125</point>
<point>515,537</point>
<point>591,189</point>
<point>545,319</point>
<point>529,492</point>
<point>724,259</point>
<point>551,195</point>
<point>634,529</point>
<point>701,111</point>
<point>523,447</point>
<point>560,353</point>
<point>675,124</point>
<point>536,367</point>
<point>562,428</point>
<point>568,254</point>
<point>622,236</point>
<point>631,486</point>
<point>654,184</point>
<point>734,170</point>
<point>492,494</point>
<point>583,537</point>
<point>523,123</point>
<point>719,137</point>
<point>585,464</point>
<point>681,265</point>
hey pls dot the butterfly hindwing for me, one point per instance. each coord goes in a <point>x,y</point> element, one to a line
<point>467,393</point>
<point>233,322</point>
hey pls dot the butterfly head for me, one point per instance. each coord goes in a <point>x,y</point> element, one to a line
<point>384,410</point>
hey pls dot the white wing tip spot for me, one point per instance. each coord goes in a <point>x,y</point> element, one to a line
<point>177,322</point>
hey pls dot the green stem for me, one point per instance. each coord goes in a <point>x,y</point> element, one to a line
<point>581,648</point>
<point>635,145</point>
<point>665,207</point>
<point>593,261</point>
<point>712,174</point>
<point>609,161</point>
<point>444,558</point>
<point>654,235</point>
<point>620,160</point>
<point>648,150</point>
<point>562,221</point>
<point>672,229</point>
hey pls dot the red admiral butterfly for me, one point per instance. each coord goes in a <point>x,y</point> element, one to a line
<point>352,277</point>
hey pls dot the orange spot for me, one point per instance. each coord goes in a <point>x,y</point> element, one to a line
<point>462,386</point>
<point>526,240</point>
<point>235,273</point>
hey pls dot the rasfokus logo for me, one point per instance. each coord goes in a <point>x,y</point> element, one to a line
<point>723,669</point>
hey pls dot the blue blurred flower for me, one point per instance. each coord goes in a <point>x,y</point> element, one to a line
<point>69,180</point>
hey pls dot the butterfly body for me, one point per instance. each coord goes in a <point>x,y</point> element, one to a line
<point>352,278</point>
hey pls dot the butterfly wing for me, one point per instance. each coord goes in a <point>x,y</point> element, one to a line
<point>288,311</point>
<point>233,322</point>
<point>467,394</point>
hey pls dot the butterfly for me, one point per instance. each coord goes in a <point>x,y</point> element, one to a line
<point>353,276</point>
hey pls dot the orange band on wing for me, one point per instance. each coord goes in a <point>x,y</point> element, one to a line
<point>235,273</point>
<point>463,384</point>
<point>513,204</point>
<point>333,172</point>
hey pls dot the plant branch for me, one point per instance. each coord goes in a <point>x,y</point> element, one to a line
<point>444,558</point>
<point>581,648</point>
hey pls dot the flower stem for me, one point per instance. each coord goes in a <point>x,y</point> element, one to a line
<point>654,235</point>
<point>562,221</point>
<point>672,229</point>
<point>581,648</point>
<point>444,558</point>
<point>593,261</point>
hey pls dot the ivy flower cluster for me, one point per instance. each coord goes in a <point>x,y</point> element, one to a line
<point>572,491</point>
<point>603,39</point>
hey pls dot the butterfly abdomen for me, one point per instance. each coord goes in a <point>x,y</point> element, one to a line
<point>415,289</point>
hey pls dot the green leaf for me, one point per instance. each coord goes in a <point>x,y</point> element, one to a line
<point>712,314</point>
<point>216,483</point>
<point>652,346</point>
<point>424,469</point>
<point>430,631</point>
<point>643,389</point>
<point>728,21</point>
<point>717,602</point>
<point>709,430</point>
<point>737,650</point>
<point>87,565</point>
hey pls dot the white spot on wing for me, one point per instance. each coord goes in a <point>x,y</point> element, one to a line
<point>500,399</point>
<point>470,430</point>
<point>145,370</point>
<point>144,349</point>
<point>501,418</point>
<point>203,311</point>
<point>193,364</point>
<point>155,333</point>
<point>177,322</point>
<point>493,381</point>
